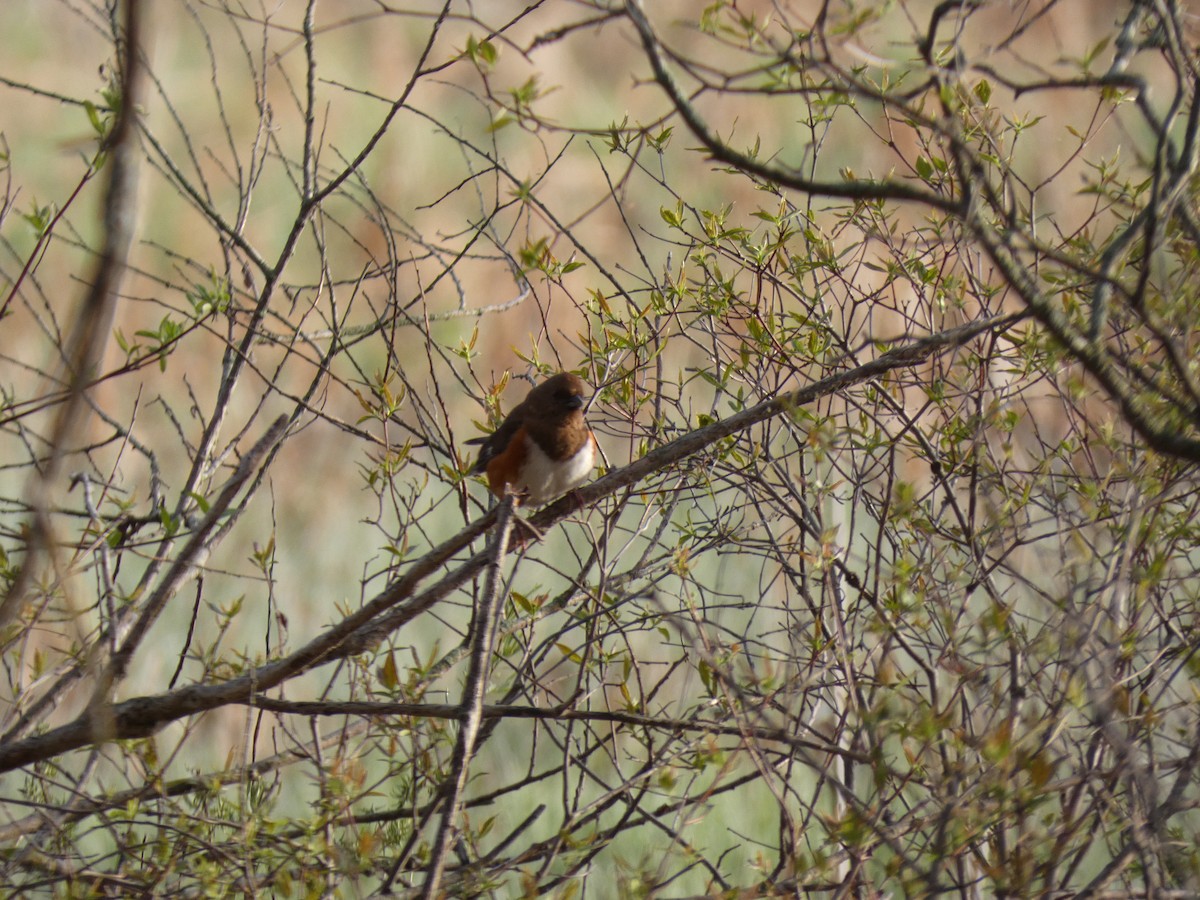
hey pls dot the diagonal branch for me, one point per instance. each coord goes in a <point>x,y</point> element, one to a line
<point>400,603</point>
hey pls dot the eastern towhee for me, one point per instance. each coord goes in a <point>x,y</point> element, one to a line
<point>544,448</point>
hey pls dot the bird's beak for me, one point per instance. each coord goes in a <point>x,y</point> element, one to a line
<point>575,403</point>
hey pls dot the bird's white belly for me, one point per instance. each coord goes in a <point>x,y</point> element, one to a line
<point>546,479</point>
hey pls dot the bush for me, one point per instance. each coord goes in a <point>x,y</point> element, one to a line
<point>888,581</point>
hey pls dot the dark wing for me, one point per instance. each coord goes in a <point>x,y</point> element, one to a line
<point>496,442</point>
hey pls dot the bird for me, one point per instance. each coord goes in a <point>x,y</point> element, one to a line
<point>544,448</point>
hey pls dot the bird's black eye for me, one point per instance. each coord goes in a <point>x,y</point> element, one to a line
<point>568,399</point>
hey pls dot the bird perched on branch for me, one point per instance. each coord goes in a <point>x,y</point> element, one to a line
<point>544,448</point>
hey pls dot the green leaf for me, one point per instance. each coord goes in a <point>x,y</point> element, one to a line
<point>501,121</point>
<point>569,653</point>
<point>94,117</point>
<point>39,219</point>
<point>483,53</point>
<point>389,673</point>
